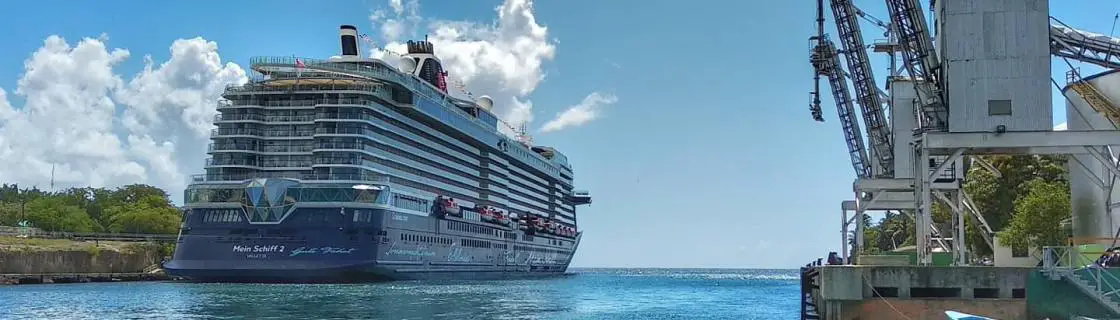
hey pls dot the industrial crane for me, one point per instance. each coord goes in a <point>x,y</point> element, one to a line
<point>867,93</point>
<point>921,62</point>
<point>826,61</point>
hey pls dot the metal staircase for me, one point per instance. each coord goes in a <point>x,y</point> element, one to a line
<point>1093,97</point>
<point>1067,263</point>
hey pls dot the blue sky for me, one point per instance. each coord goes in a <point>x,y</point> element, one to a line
<point>708,158</point>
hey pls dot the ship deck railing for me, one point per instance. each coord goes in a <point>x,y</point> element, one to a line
<point>370,177</point>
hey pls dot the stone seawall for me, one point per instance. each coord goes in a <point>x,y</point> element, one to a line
<point>60,256</point>
<point>78,261</point>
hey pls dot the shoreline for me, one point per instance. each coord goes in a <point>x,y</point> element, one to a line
<point>52,278</point>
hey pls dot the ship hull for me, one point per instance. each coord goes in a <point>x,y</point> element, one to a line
<point>393,246</point>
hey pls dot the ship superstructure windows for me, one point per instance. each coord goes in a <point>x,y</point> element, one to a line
<point>475,243</point>
<point>408,202</point>
<point>425,239</point>
<point>222,216</point>
<point>472,228</point>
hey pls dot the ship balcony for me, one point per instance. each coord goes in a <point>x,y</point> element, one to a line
<point>251,162</point>
<point>579,197</point>
<point>338,160</point>
<point>262,118</point>
<point>254,148</point>
<point>288,104</point>
<point>254,132</point>
<point>343,116</point>
<point>356,131</point>
<point>237,177</point>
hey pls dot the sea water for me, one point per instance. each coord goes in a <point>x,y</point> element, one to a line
<point>585,294</point>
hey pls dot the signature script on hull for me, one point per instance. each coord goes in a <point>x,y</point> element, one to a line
<point>419,251</point>
<point>321,251</point>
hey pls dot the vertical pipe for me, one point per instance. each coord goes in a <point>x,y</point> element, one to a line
<point>843,234</point>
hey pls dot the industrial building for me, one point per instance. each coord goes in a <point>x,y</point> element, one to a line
<point>973,80</point>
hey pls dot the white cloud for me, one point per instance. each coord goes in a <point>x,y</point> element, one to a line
<point>70,116</point>
<point>577,115</point>
<point>503,59</point>
<point>401,23</point>
<point>1060,127</point>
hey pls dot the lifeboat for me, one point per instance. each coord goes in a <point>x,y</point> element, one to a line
<point>486,213</point>
<point>500,217</point>
<point>539,224</point>
<point>448,206</point>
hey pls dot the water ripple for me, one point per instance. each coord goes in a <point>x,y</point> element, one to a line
<point>590,294</point>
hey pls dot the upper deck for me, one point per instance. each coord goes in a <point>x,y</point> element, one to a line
<point>292,75</point>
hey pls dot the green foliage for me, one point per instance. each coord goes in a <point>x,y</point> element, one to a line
<point>1025,205</point>
<point>133,208</point>
<point>1038,216</point>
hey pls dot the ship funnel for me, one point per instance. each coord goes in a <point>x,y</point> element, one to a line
<point>486,102</point>
<point>349,36</point>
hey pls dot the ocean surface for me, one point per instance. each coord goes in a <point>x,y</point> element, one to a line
<point>585,294</point>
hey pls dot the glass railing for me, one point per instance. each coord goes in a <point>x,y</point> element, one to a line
<point>230,162</point>
<point>289,175</point>
<point>235,132</point>
<point>251,147</point>
<point>296,148</point>
<point>285,163</point>
<point>338,160</point>
<point>341,131</point>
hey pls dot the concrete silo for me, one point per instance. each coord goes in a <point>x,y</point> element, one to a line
<point>1091,218</point>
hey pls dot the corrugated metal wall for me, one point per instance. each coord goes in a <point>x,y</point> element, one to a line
<point>994,51</point>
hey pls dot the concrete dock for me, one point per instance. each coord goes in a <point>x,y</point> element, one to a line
<point>900,292</point>
<point>44,278</point>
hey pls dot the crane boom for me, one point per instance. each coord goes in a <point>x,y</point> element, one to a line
<point>867,94</point>
<point>1101,50</point>
<point>921,62</point>
<point>826,62</point>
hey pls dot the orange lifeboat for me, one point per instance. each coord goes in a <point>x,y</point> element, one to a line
<point>447,206</point>
<point>486,213</point>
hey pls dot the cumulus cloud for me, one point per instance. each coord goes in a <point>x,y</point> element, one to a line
<point>579,114</point>
<point>503,59</point>
<point>92,128</point>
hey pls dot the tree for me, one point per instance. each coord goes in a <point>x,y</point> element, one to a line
<point>996,198</point>
<point>1038,216</point>
<point>150,214</point>
<point>53,214</point>
<point>133,208</point>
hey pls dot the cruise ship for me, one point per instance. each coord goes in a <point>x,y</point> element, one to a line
<point>352,169</point>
